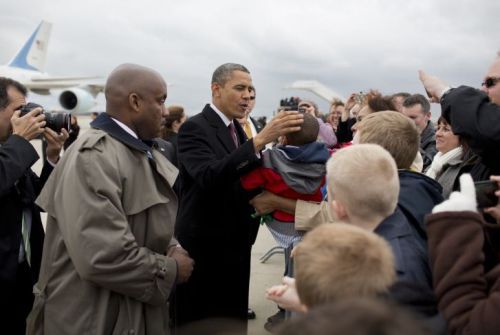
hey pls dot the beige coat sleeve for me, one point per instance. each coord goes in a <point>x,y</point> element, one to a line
<point>311,214</point>
<point>97,227</point>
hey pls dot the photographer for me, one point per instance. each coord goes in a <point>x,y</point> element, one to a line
<point>21,231</point>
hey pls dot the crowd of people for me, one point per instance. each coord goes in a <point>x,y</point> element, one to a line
<point>151,215</point>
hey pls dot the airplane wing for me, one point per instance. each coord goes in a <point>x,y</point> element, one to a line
<point>93,85</point>
<point>317,88</point>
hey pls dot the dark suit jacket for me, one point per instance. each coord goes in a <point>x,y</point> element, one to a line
<point>214,221</point>
<point>19,187</point>
<point>256,124</point>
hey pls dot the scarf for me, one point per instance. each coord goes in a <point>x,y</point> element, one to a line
<point>441,160</point>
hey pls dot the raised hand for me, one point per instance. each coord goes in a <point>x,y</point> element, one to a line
<point>434,86</point>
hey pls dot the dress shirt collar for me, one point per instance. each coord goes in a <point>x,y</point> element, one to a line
<point>125,127</point>
<point>221,115</point>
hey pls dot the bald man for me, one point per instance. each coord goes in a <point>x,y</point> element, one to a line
<point>110,261</point>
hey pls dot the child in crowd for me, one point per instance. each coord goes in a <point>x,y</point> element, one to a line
<point>336,262</point>
<point>296,170</point>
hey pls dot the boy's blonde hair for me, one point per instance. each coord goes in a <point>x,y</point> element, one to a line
<point>394,132</point>
<point>342,261</point>
<point>364,179</point>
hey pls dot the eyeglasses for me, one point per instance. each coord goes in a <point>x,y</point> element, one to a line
<point>490,81</point>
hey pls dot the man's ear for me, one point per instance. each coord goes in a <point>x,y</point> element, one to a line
<point>134,101</point>
<point>215,90</point>
<point>338,210</point>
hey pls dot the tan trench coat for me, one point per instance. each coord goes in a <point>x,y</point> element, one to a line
<point>110,221</point>
<point>309,215</point>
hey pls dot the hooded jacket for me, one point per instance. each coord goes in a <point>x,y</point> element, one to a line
<point>292,172</point>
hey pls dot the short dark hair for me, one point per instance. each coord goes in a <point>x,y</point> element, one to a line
<point>461,140</point>
<point>379,103</point>
<point>222,73</point>
<point>401,94</point>
<point>5,83</point>
<point>418,99</point>
<point>175,113</point>
<point>308,132</point>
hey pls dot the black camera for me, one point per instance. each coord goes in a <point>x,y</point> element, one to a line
<point>290,104</point>
<point>55,121</point>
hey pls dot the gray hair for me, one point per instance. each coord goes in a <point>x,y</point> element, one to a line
<point>222,73</point>
<point>418,99</point>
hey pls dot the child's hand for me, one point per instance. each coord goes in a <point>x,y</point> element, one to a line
<point>286,296</point>
<point>275,291</point>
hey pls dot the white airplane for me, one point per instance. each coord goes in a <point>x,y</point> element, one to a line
<point>317,88</point>
<point>77,93</point>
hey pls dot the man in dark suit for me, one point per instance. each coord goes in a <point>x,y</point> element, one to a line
<point>214,221</point>
<point>21,231</point>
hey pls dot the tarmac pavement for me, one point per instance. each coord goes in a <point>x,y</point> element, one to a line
<point>263,275</point>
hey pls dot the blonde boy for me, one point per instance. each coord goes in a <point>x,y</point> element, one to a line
<point>363,185</point>
<point>342,261</point>
<point>336,261</point>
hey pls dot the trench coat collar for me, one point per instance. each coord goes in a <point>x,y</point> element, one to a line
<point>105,123</point>
<point>166,170</point>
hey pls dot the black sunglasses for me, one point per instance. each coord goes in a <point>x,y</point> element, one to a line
<point>490,81</point>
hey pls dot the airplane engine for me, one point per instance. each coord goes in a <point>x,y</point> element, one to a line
<point>76,100</point>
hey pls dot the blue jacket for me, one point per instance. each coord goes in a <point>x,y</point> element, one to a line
<point>409,248</point>
<point>418,194</point>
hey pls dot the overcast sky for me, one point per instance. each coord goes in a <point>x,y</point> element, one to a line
<point>349,45</point>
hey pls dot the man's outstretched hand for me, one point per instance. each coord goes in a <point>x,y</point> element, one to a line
<point>283,123</point>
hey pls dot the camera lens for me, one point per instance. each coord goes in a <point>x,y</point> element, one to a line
<point>57,121</point>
